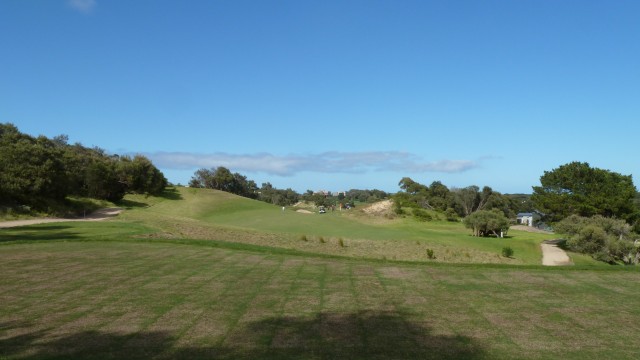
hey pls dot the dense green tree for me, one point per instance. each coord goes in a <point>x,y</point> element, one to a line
<point>439,196</point>
<point>576,188</point>
<point>40,172</point>
<point>461,201</point>
<point>364,196</point>
<point>32,171</point>
<point>412,187</point>
<point>272,195</point>
<point>102,180</point>
<point>222,179</point>
<point>141,176</point>
<point>487,222</point>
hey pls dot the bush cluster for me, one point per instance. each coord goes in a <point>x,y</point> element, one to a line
<point>421,215</point>
<point>605,239</point>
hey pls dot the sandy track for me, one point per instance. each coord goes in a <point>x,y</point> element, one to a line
<point>97,215</point>
<point>552,255</point>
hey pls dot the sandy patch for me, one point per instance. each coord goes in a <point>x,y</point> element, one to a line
<point>303,211</point>
<point>379,208</point>
<point>552,255</point>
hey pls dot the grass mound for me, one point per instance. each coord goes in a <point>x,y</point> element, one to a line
<point>215,215</point>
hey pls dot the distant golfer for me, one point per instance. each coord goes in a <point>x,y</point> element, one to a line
<point>283,208</point>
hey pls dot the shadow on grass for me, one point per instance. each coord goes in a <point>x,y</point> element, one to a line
<point>561,243</point>
<point>171,193</point>
<point>130,204</point>
<point>360,335</point>
<point>37,233</point>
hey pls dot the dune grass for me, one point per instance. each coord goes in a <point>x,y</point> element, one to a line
<point>109,300</point>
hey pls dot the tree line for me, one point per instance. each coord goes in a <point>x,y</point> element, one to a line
<point>40,173</point>
<point>485,211</point>
<point>598,210</point>
<point>221,178</point>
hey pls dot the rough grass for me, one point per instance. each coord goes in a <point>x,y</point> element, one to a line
<point>112,300</point>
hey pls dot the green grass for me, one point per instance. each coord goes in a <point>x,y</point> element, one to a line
<point>73,231</point>
<point>204,274</point>
<point>207,214</point>
<point>135,300</point>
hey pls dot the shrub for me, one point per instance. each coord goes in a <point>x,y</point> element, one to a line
<point>341,242</point>
<point>605,239</point>
<point>451,215</point>
<point>590,240</point>
<point>507,251</point>
<point>422,215</point>
<point>322,240</point>
<point>303,238</point>
<point>397,208</point>
<point>430,254</point>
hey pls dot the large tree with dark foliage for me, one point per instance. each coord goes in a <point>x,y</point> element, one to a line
<point>31,169</point>
<point>272,195</point>
<point>221,178</point>
<point>36,171</point>
<point>578,189</point>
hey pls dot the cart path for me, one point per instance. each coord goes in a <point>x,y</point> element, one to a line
<point>552,255</point>
<point>97,215</point>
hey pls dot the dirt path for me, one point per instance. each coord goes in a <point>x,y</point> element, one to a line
<point>552,255</point>
<point>97,215</point>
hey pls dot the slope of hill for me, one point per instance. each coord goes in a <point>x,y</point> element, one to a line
<point>214,215</point>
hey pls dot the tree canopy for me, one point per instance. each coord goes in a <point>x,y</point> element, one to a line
<point>35,171</point>
<point>487,222</point>
<point>454,202</point>
<point>222,179</point>
<point>578,189</point>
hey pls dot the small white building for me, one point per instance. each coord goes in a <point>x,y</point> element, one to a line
<point>525,219</point>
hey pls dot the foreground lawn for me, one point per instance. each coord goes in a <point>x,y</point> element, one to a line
<point>117,300</point>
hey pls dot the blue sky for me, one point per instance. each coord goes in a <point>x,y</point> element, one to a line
<point>332,94</point>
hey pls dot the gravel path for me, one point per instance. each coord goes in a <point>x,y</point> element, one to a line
<point>97,215</point>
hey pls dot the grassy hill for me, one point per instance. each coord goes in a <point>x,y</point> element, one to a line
<point>200,274</point>
<point>215,215</point>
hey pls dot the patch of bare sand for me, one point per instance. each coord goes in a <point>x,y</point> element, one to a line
<point>552,255</point>
<point>379,208</point>
<point>303,211</point>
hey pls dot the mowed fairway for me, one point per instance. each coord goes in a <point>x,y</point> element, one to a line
<point>133,300</point>
<point>215,215</point>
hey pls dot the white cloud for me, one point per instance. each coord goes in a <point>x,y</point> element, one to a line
<point>85,6</point>
<point>327,162</point>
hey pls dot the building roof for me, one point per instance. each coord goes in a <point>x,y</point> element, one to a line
<point>524,214</point>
